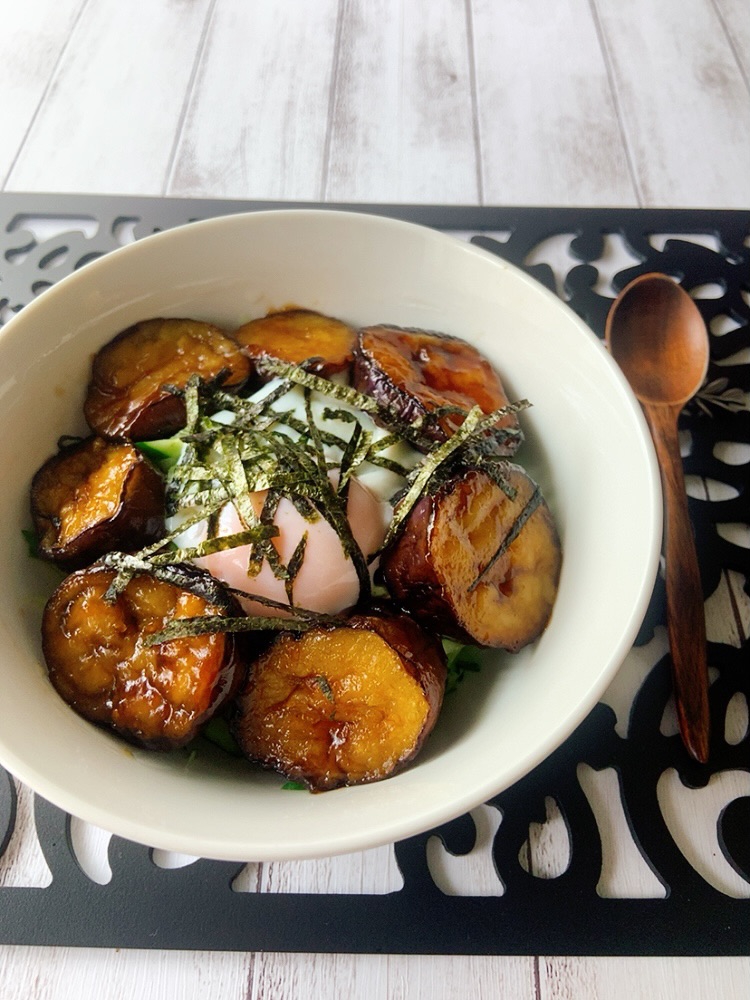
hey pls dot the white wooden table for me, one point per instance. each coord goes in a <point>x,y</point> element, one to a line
<point>508,102</point>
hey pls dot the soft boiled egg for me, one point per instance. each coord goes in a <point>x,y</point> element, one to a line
<point>326,581</point>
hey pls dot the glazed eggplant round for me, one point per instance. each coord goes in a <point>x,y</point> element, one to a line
<point>95,496</point>
<point>477,564</point>
<point>100,661</point>
<point>321,343</point>
<point>415,373</point>
<point>342,705</point>
<point>133,377</point>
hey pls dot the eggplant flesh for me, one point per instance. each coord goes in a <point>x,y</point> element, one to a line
<point>93,497</point>
<point>476,564</point>
<point>417,373</point>
<point>322,344</point>
<point>342,705</point>
<point>136,378</point>
<point>156,696</point>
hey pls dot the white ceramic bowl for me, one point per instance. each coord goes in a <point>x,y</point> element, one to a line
<point>587,445</point>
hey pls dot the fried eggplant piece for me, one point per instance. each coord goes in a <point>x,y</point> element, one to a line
<point>342,705</point>
<point>416,372</point>
<point>155,696</point>
<point>477,565</point>
<point>129,392</point>
<point>95,496</point>
<point>300,336</point>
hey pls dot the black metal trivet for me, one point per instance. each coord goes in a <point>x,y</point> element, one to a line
<point>194,907</point>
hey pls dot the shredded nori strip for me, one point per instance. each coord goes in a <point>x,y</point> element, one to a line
<point>513,532</point>
<point>187,628</point>
<point>293,373</point>
<point>250,536</point>
<point>294,566</point>
<point>314,617</point>
<point>476,423</point>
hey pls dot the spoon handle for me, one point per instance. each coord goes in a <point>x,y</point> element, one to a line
<point>686,622</point>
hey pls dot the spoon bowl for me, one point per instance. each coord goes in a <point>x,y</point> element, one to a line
<point>657,336</point>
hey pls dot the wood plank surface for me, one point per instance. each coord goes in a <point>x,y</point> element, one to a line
<point>33,38</point>
<point>257,113</point>
<point>402,125</point>
<point>113,110</point>
<point>548,127</point>
<point>735,18</point>
<point>581,102</point>
<point>682,99</point>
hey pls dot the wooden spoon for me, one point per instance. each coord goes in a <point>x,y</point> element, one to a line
<point>657,336</point>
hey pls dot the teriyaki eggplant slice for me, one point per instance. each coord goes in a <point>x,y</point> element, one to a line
<point>322,344</point>
<point>478,561</point>
<point>94,496</point>
<point>101,661</point>
<point>136,377</point>
<point>433,376</point>
<point>342,704</point>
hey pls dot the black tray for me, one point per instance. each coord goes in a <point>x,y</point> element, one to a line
<point>194,907</point>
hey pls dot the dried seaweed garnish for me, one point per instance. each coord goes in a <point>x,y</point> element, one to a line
<point>293,373</point>
<point>513,532</point>
<point>335,507</point>
<point>294,566</point>
<point>306,614</point>
<point>294,620</point>
<point>191,397</point>
<point>186,628</point>
<point>250,536</point>
<point>355,453</point>
<point>267,551</point>
<point>125,567</point>
<point>475,424</point>
<point>324,686</point>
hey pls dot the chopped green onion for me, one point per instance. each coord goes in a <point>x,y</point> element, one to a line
<point>32,542</point>
<point>462,659</point>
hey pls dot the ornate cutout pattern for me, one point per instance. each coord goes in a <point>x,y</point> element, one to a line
<point>520,893</point>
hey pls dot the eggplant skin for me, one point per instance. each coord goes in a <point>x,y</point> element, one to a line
<point>322,344</point>
<point>413,373</point>
<point>342,705</point>
<point>95,496</point>
<point>130,391</point>
<point>158,696</point>
<point>442,567</point>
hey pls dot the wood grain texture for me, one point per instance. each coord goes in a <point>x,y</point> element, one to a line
<point>111,974</point>
<point>23,863</point>
<point>113,109</point>
<point>34,35</point>
<point>395,977</point>
<point>683,101</point>
<point>640,978</point>
<point>402,124</point>
<point>257,114</point>
<point>686,622</point>
<point>548,128</point>
<point>735,17</point>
